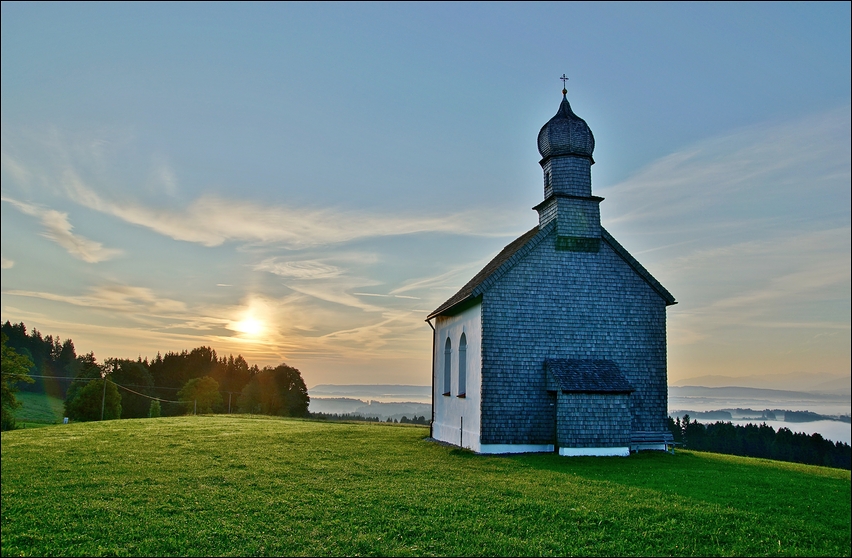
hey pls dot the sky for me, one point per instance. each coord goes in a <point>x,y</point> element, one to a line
<point>304,183</point>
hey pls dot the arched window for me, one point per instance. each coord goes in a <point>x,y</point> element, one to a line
<point>462,365</point>
<point>448,363</point>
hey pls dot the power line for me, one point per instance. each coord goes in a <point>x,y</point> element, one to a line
<point>113,383</point>
<point>142,394</point>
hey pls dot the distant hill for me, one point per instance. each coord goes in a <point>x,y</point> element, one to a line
<point>794,381</point>
<point>378,392</point>
<point>738,392</point>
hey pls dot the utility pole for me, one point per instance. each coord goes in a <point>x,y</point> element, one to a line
<point>229,402</point>
<point>103,399</point>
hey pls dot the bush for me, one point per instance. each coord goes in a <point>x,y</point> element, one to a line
<point>93,402</point>
<point>200,395</point>
<point>154,409</point>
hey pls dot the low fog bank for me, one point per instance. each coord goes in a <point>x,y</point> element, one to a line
<point>827,414</point>
<point>703,399</point>
<point>373,392</point>
<point>370,408</point>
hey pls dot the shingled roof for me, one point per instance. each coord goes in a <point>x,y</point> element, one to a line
<point>472,288</point>
<point>637,267</point>
<point>515,250</point>
<point>586,376</point>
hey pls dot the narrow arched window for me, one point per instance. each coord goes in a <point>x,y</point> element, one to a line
<point>462,365</point>
<point>448,363</point>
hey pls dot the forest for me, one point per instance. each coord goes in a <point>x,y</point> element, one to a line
<point>195,381</point>
<point>760,440</point>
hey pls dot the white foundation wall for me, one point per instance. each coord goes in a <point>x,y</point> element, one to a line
<point>456,418</point>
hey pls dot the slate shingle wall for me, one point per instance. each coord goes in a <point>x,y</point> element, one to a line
<point>593,420</point>
<point>567,175</point>
<point>574,305</point>
<point>577,217</point>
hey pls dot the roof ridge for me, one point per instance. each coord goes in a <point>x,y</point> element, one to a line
<point>496,267</point>
<point>512,259</point>
<point>521,246</point>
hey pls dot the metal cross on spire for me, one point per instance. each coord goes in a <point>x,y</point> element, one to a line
<point>564,78</point>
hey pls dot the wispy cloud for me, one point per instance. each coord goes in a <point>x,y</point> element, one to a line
<point>80,171</point>
<point>372,337</point>
<point>336,293</point>
<point>163,177</point>
<point>59,230</point>
<point>17,171</point>
<point>772,283</point>
<point>212,220</point>
<point>305,269</point>
<point>120,298</point>
<point>6,263</point>
<point>749,172</point>
<point>442,281</point>
<point>387,296</point>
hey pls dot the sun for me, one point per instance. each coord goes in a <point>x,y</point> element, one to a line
<point>251,322</point>
<point>250,326</point>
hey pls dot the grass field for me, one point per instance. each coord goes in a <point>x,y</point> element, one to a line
<point>225,485</point>
<point>38,409</point>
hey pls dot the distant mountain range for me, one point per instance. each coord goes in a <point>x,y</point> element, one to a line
<point>379,392</point>
<point>754,393</point>
<point>794,381</point>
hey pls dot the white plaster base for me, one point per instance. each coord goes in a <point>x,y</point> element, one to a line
<point>598,452</point>
<point>452,435</point>
<point>515,448</point>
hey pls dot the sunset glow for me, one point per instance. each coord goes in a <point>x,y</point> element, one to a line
<point>250,327</point>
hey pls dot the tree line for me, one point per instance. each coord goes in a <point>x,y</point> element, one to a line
<point>175,383</point>
<point>753,440</point>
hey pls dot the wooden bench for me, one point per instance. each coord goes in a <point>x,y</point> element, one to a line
<point>658,441</point>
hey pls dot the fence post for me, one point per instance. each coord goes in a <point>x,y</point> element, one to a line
<point>195,408</point>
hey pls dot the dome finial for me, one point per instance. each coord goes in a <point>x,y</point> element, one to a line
<point>565,133</point>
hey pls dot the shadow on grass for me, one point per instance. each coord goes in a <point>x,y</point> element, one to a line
<point>754,484</point>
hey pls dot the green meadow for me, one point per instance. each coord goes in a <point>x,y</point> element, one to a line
<point>248,485</point>
<point>38,409</point>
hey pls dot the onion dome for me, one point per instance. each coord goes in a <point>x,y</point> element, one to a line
<point>566,134</point>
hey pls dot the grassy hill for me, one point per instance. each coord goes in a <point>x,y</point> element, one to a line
<point>225,485</point>
<point>38,409</point>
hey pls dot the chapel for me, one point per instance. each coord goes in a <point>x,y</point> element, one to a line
<point>559,342</point>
